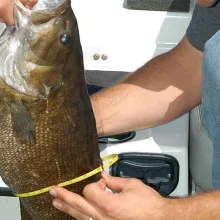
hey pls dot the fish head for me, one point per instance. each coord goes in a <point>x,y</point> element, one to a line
<point>47,37</point>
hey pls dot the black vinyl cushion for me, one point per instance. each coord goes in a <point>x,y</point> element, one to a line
<point>159,5</point>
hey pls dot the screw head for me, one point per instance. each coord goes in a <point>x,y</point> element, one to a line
<point>96,56</point>
<point>104,56</point>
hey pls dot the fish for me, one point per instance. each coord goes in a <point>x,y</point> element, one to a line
<point>47,126</point>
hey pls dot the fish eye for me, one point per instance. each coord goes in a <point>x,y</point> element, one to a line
<point>65,39</point>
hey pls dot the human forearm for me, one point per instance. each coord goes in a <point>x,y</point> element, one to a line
<point>205,206</point>
<point>149,205</point>
<point>160,91</point>
<point>206,3</point>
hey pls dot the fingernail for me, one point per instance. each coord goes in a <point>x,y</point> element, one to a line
<point>53,192</point>
<point>104,173</point>
<point>57,205</point>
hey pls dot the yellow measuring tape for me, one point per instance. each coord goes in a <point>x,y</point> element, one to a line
<point>113,157</point>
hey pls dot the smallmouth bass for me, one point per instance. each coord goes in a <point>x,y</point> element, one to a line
<point>47,126</point>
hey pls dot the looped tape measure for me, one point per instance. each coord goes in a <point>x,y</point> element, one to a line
<point>113,157</point>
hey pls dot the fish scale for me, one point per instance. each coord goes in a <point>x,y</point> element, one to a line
<point>47,129</point>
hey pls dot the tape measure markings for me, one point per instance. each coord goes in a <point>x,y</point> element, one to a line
<point>113,157</point>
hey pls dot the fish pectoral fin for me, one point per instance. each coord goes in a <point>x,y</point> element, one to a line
<point>23,124</point>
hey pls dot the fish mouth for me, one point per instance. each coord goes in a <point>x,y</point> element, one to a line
<point>46,8</point>
<point>25,17</point>
<point>40,13</point>
<point>37,75</point>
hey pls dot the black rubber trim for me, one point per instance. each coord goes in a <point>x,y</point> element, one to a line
<point>118,138</point>
<point>4,191</point>
<point>158,5</point>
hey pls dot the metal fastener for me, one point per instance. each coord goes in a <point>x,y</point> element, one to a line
<point>96,56</point>
<point>169,175</point>
<point>104,56</point>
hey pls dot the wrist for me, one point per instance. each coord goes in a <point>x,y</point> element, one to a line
<point>181,208</point>
<point>165,209</point>
<point>171,209</point>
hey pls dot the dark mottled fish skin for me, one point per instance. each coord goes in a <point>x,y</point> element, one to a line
<point>44,142</point>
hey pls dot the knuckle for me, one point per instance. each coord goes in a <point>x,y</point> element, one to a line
<point>108,207</point>
<point>111,208</point>
<point>66,209</point>
<point>60,196</point>
<point>78,207</point>
<point>132,181</point>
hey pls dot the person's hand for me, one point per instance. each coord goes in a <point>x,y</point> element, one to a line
<point>6,9</point>
<point>133,200</point>
<point>206,3</point>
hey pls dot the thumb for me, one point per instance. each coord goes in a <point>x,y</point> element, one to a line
<point>6,17</point>
<point>115,183</point>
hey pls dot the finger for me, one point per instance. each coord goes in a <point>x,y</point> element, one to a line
<point>102,183</point>
<point>7,17</point>
<point>117,183</point>
<point>29,3</point>
<point>6,12</point>
<point>76,202</point>
<point>69,210</point>
<point>96,193</point>
<point>206,3</point>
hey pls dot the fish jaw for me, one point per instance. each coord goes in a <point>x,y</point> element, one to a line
<point>22,15</point>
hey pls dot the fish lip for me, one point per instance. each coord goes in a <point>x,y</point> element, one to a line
<point>21,6</point>
<point>31,10</point>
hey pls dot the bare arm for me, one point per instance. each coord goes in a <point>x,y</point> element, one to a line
<point>148,204</point>
<point>206,3</point>
<point>205,206</point>
<point>163,89</point>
